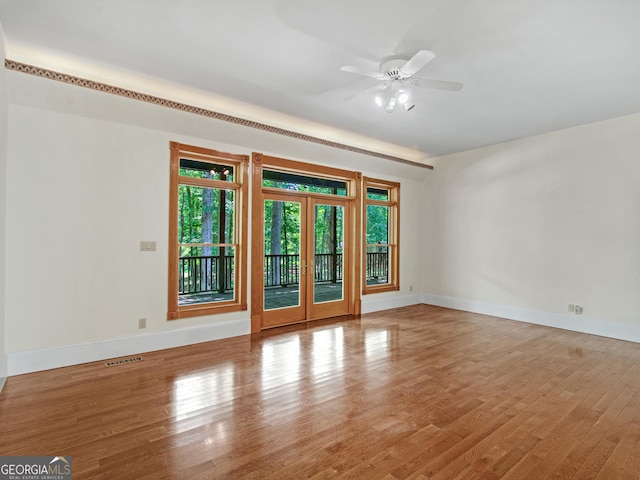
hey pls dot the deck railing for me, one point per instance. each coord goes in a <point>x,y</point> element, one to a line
<point>205,274</point>
<point>209,274</point>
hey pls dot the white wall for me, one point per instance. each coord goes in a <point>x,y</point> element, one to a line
<point>88,179</point>
<point>522,229</point>
<point>3,208</point>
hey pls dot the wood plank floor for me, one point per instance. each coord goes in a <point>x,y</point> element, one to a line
<point>413,393</point>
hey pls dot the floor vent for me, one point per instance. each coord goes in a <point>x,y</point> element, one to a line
<point>122,361</point>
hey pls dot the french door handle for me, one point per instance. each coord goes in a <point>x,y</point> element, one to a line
<point>304,267</point>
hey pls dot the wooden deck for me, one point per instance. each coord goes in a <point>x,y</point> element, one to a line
<point>274,297</point>
<point>413,393</point>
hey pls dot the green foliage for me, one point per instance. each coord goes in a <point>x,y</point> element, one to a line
<point>290,229</point>
<point>200,214</point>
<point>328,219</point>
<point>377,224</point>
<point>377,194</point>
<point>198,207</point>
<point>303,187</point>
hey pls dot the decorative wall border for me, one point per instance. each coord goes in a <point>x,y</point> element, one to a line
<point>123,92</point>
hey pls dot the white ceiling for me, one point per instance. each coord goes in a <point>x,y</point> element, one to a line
<point>528,66</point>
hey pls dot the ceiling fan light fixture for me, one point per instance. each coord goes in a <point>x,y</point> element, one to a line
<point>390,105</point>
<point>391,97</point>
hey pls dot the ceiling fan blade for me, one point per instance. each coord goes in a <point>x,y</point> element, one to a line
<point>375,88</point>
<point>416,62</point>
<point>436,84</point>
<point>361,71</point>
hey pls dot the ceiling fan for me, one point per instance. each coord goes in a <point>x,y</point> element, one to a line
<point>397,77</point>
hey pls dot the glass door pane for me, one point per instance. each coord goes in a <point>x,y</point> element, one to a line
<point>282,248</point>
<point>328,259</point>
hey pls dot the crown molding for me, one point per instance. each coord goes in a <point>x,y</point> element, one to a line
<point>143,97</point>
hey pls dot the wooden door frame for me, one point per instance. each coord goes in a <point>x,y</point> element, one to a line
<point>353,203</point>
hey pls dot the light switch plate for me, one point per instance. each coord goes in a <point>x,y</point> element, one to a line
<point>147,246</point>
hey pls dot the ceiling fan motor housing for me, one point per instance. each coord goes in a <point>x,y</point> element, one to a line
<point>391,66</point>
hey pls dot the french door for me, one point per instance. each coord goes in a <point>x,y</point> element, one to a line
<point>306,245</point>
<point>305,242</point>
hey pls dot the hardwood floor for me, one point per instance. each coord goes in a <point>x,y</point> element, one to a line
<point>413,393</point>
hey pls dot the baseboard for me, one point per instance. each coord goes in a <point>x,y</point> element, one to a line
<point>565,321</point>
<point>3,371</point>
<point>19,363</point>
<point>63,356</point>
<point>377,303</point>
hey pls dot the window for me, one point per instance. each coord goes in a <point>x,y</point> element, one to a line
<point>381,239</point>
<point>207,232</point>
<point>303,183</point>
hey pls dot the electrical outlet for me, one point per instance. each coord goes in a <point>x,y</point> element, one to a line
<point>142,323</point>
<point>572,307</point>
<point>578,310</point>
<point>411,288</point>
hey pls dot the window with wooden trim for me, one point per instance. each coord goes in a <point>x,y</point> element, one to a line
<point>207,232</point>
<point>381,239</point>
